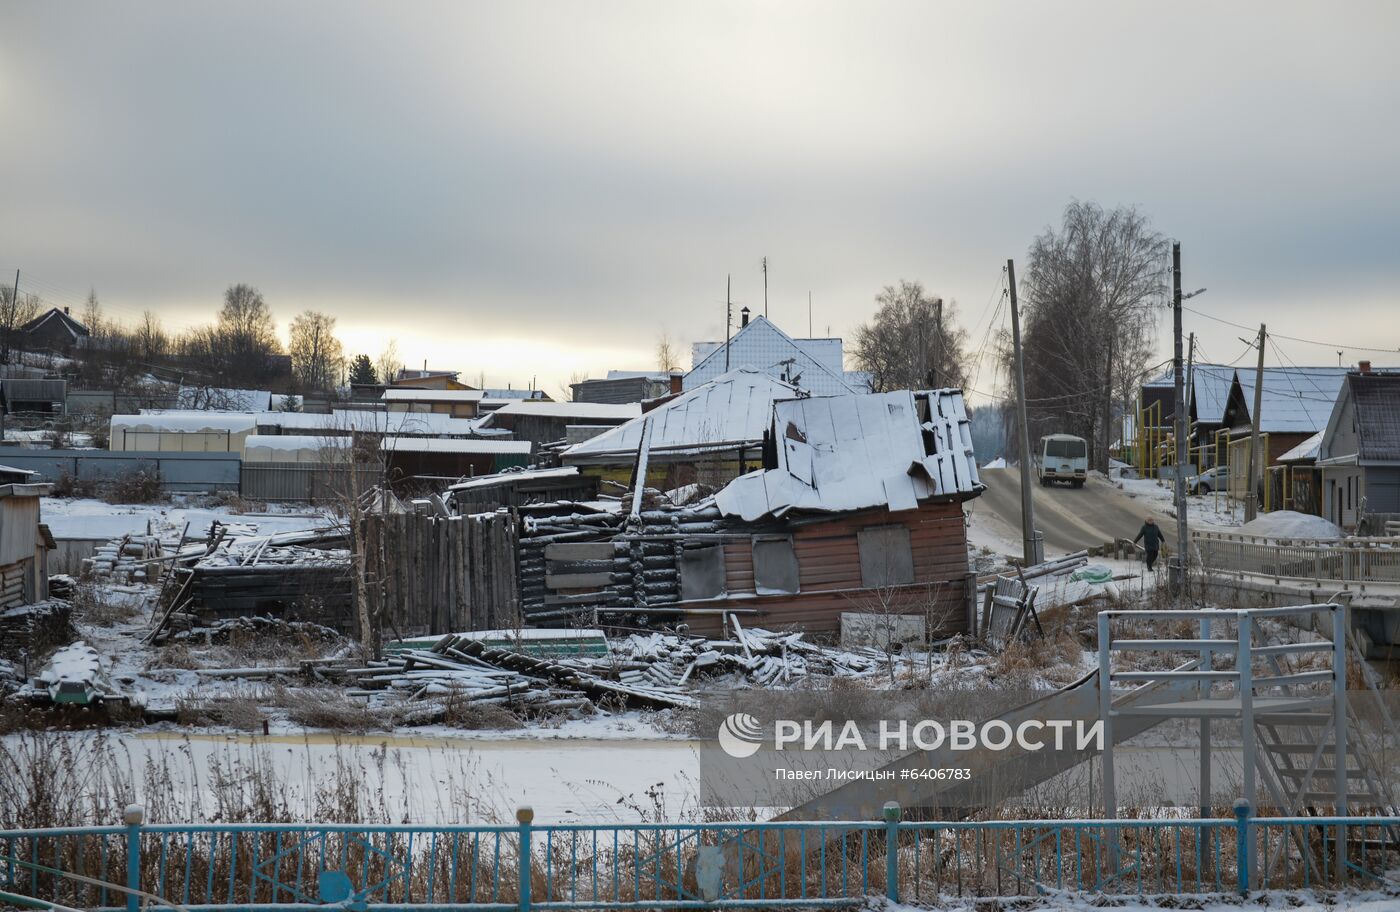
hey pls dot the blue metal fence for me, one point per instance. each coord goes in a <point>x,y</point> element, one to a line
<point>807,864</point>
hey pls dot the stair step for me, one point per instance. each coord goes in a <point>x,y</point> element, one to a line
<point>1319,775</point>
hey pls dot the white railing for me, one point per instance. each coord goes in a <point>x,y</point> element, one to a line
<point>1358,560</point>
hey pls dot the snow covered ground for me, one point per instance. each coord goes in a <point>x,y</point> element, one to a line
<point>86,517</point>
<point>1292,901</point>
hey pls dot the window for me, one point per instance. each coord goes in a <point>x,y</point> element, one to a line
<point>1066,449</point>
<point>886,558</point>
<point>774,565</point>
<point>702,572</point>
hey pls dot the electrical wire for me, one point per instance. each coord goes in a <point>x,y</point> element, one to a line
<point>1331,345</point>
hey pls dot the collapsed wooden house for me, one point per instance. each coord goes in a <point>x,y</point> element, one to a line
<point>857,510</point>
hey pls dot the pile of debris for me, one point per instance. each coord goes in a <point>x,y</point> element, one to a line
<point>36,627</point>
<point>640,671</point>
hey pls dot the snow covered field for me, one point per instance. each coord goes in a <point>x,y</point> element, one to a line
<point>92,518</point>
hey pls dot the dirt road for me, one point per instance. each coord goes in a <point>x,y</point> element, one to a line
<point>1069,518</point>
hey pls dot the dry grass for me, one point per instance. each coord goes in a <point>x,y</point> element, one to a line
<point>93,604</point>
<point>241,712</point>
<point>331,709</point>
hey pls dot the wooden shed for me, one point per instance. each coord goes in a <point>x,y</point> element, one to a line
<point>24,545</point>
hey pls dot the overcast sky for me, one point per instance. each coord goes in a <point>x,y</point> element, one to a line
<point>534,189</point>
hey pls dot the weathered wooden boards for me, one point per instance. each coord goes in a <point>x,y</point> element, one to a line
<point>431,574</point>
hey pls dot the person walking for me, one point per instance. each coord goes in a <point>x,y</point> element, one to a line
<point>1151,538</point>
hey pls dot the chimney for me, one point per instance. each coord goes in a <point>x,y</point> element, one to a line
<point>1363,366</point>
<point>67,312</point>
<point>743,318</point>
<point>677,379</point>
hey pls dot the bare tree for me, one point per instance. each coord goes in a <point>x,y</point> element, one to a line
<point>317,356</point>
<point>15,311</point>
<point>389,363</point>
<point>667,357</point>
<point>92,316</point>
<point>1088,293</point>
<point>150,340</point>
<point>913,342</point>
<point>566,389</point>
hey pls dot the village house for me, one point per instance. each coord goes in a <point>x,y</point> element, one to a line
<point>814,365</point>
<point>627,386</point>
<point>427,379</point>
<point>54,330</point>
<point>856,510</point>
<point>457,403</point>
<point>1359,454</point>
<point>544,422</point>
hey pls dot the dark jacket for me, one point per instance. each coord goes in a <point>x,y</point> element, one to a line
<point>1150,535</point>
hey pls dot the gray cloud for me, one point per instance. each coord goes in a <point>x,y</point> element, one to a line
<point>470,177</point>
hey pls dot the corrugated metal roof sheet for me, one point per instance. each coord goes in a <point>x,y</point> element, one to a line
<point>843,453</point>
<point>1295,400</point>
<point>764,347</point>
<point>1377,415</point>
<point>1212,390</point>
<point>733,408</point>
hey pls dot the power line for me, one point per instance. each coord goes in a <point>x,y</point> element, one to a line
<point>1331,345</point>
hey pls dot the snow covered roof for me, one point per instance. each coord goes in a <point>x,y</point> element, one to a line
<point>1296,400</point>
<point>400,394</point>
<point>842,453</point>
<point>192,421</point>
<point>1212,390</point>
<point>735,408</point>
<point>1308,449</point>
<point>375,421</point>
<point>812,364</point>
<point>223,400</point>
<point>581,410</point>
<point>509,394</point>
<point>661,376</point>
<point>443,445</point>
<point>514,476</point>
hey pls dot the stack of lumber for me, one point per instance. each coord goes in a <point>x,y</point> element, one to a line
<point>129,559</point>
<point>35,627</point>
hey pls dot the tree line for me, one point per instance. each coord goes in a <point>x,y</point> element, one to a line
<point>240,348</point>
<point>1090,291</point>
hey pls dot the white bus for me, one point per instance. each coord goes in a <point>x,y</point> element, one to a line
<point>1064,458</point>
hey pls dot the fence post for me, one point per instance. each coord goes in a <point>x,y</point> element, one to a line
<point>892,850</point>
<point>524,815</point>
<point>1242,859</point>
<point>133,817</point>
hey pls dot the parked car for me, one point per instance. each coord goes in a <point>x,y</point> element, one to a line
<point>1209,481</point>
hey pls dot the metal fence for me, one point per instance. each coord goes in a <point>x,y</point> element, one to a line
<point>178,472</point>
<point>692,865</point>
<point>1360,560</point>
<point>303,482</point>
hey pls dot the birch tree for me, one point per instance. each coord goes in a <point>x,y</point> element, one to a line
<point>913,342</point>
<point>317,355</point>
<point>1088,297</point>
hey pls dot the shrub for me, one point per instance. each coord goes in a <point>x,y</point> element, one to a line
<point>135,488</point>
<point>69,485</point>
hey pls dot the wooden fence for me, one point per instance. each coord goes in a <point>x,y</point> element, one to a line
<point>1361,560</point>
<point>442,574</point>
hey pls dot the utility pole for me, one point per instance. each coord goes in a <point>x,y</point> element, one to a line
<point>937,375</point>
<point>1108,402</point>
<point>728,319</point>
<point>1034,547</point>
<point>1251,497</point>
<point>1177,567</point>
<point>765,288</point>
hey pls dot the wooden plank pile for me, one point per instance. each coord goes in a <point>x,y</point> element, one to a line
<point>129,559</point>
